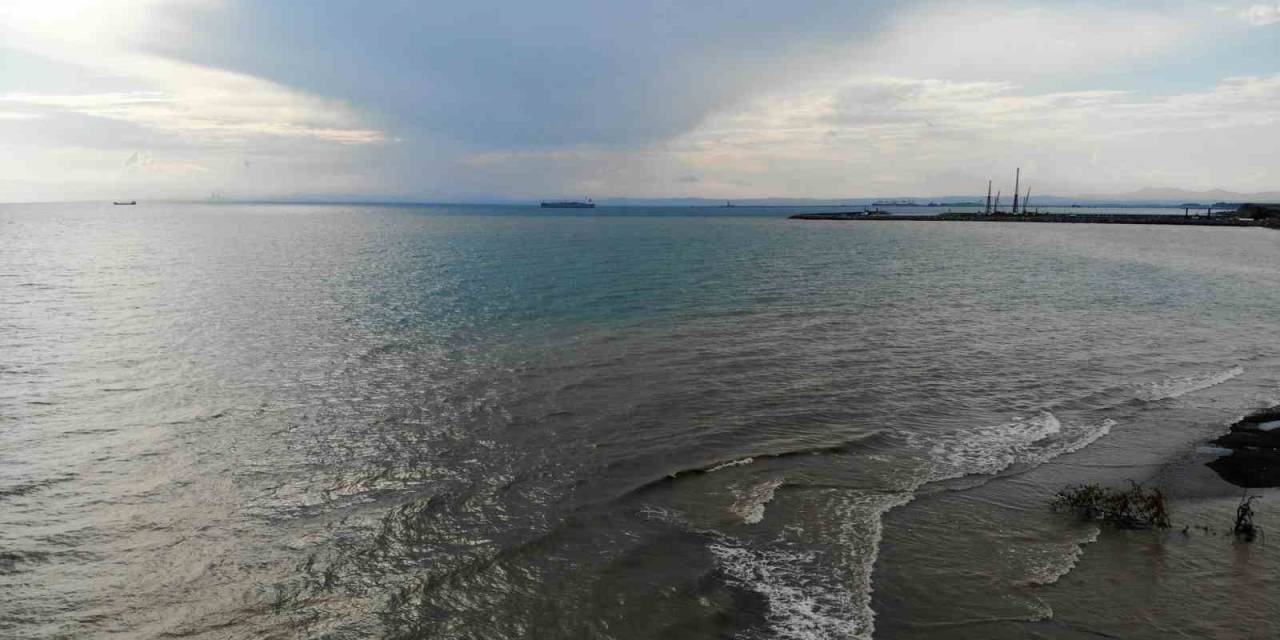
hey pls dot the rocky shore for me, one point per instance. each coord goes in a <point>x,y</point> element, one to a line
<point>1254,441</point>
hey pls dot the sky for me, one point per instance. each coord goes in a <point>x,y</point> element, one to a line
<point>483,100</point>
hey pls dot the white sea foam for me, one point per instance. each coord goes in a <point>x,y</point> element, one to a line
<point>992,449</point>
<point>1058,560</point>
<point>1181,386</point>
<point>732,463</point>
<point>750,501</point>
<point>660,514</point>
<point>805,601</point>
<point>813,596</point>
<point>862,527</point>
<point>1073,438</point>
<point>987,450</point>
<point>1268,425</point>
<point>797,607</point>
<point>1040,610</point>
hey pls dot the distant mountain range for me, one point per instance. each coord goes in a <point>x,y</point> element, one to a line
<point>1166,195</point>
<point>1146,196</point>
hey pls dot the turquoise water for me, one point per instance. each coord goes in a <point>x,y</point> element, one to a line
<point>353,421</point>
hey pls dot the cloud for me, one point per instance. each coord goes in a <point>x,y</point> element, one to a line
<point>80,96</point>
<point>897,136</point>
<point>495,74</point>
<point>210,106</point>
<point>1261,15</point>
<point>1020,41</point>
<point>138,159</point>
<point>570,97</point>
<point>945,136</point>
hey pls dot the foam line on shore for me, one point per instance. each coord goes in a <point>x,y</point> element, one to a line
<point>750,501</point>
<point>1181,386</point>
<point>807,604</point>
<point>1062,560</point>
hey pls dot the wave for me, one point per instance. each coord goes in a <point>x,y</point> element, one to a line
<point>1059,561</point>
<point>12,561</point>
<point>1074,439</point>
<point>796,608</point>
<point>750,502</point>
<point>28,487</point>
<point>865,549</point>
<point>804,604</point>
<point>805,599</point>
<point>731,463</point>
<point>801,600</point>
<point>1181,386</point>
<point>990,450</point>
<point>726,463</point>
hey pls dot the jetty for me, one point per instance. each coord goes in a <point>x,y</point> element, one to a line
<point>1246,215</point>
<point>1077,218</point>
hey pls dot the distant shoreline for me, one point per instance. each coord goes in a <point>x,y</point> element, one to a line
<point>1061,218</point>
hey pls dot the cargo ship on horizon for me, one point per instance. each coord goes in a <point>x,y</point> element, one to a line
<point>568,204</point>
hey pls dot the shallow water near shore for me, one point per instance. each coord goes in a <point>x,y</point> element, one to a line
<point>432,422</point>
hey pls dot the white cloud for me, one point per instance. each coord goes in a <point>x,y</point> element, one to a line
<point>1261,15</point>
<point>898,136</point>
<point>1018,40</point>
<point>944,137</point>
<point>196,125</point>
<point>209,107</point>
<point>952,95</point>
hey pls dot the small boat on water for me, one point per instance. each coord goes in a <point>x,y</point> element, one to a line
<point>125,202</point>
<point>568,204</point>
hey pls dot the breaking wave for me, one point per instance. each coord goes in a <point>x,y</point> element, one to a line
<point>1051,563</point>
<point>796,609</point>
<point>988,450</point>
<point>731,463</point>
<point>991,450</point>
<point>805,599</point>
<point>750,502</point>
<point>1181,386</point>
<point>720,465</point>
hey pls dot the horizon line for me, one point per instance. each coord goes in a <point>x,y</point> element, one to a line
<point>622,201</point>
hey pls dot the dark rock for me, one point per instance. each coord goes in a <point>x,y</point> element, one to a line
<point>1243,439</point>
<point>1249,469</point>
<point>1254,461</point>
<point>1247,432</point>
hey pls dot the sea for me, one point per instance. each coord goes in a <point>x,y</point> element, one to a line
<point>354,421</point>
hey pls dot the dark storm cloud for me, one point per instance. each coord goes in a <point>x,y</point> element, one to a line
<point>524,74</point>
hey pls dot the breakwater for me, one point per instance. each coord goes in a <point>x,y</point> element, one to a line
<point>1076,218</point>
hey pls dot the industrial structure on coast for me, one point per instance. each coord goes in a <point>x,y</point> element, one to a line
<point>1246,215</point>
